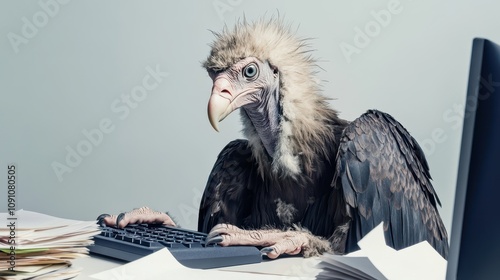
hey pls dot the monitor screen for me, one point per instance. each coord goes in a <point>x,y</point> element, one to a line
<point>475,236</point>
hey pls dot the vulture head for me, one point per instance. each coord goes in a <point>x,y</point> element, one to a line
<point>263,69</point>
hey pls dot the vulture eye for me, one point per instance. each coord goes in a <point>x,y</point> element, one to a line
<point>250,71</point>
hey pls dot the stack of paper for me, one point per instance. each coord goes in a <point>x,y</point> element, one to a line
<point>377,261</point>
<point>37,245</point>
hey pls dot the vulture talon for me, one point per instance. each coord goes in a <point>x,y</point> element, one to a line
<point>215,240</point>
<point>100,219</point>
<point>102,216</point>
<point>119,218</point>
<point>266,250</point>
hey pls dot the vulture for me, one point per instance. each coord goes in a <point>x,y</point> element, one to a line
<point>304,181</point>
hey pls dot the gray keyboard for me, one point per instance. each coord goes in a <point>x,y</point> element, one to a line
<point>187,246</point>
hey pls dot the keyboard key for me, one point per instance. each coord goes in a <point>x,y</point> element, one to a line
<point>193,245</point>
<point>137,241</point>
<point>174,245</point>
<point>127,238</point>
<point>148,243</point>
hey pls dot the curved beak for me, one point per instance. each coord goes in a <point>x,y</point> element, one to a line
<point>218,109</point>
<point>221,101</point>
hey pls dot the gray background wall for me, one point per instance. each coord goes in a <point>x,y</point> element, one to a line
<point>67,69</point>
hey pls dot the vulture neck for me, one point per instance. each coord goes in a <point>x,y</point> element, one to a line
<point>290,132</point>
<point>265,118</point>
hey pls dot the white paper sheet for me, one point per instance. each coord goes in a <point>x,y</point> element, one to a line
<point>162,265</point>
<point>296,266</point>
<point>419,261</point>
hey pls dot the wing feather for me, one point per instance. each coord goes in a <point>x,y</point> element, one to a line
<point>227,195</point>
<point>384,177</point>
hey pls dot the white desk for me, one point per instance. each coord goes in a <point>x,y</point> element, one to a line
<point>291,266</point>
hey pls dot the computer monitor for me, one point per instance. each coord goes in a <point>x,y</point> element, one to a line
<point>475,234</point>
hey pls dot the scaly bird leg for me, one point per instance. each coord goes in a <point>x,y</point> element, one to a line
<point>143,215</point>
<point>275,242</point>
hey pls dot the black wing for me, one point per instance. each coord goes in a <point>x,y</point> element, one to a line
<point>227,195</point>
<point>384,176</point>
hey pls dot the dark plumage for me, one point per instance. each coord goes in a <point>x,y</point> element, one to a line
<point>303,169</point>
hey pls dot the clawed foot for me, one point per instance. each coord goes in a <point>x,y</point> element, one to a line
<point>143,215</point>
<point>275,242</point>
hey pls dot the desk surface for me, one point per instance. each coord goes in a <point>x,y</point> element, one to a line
<point>93,264</point>
<point>290,266</point>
